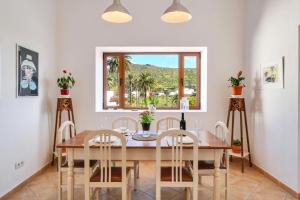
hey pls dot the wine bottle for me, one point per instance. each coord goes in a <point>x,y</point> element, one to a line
<point>182,122</point>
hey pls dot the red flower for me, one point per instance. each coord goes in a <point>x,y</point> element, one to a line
<point>64,71</point>
<point>239,74</point>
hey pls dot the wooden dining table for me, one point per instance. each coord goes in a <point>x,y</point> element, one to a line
<point>210,148</point>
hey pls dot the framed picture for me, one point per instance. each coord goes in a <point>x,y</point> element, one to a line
<point>27,72</point>
<point>272,74</point>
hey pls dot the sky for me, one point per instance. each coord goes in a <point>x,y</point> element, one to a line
<point>169,61</point>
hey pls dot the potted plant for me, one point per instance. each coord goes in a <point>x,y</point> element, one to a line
<point>236,84</point>
<point>236,146</point>
<point>145,118</point>
<point>152,101</point>
<point>65,83</point>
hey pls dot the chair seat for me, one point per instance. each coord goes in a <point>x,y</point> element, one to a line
<point>79,163</point>
<point>116,174</point>
<point>208,164</point>
<point>166,174</point>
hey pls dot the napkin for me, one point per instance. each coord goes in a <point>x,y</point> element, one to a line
<point>186,140</point>
<point>121,131</point>
<point>112,139</point>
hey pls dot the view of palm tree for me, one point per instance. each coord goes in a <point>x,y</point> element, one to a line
<point>150,79</point>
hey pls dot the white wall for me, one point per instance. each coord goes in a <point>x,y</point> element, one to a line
<point>26,122</point>
<point>216,24</point>
<point>272,32</point>
<point>298,111</point>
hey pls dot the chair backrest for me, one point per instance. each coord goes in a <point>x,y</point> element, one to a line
<point>169,122</point>
<point>63,134</point>
<point>222,132</point>
<point>62,131</point>
<point>174,138</point>
<point>127,122</point>
<point>103,146</point>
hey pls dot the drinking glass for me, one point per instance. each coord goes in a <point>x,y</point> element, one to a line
<point>146,133</point>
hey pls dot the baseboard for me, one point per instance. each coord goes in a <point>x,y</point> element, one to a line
<point>25,181</point>
<point>278,182</point>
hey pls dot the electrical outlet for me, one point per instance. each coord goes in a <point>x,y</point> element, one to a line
<point>19,164</point>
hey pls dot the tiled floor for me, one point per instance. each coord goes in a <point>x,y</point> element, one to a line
<point>248,186</point>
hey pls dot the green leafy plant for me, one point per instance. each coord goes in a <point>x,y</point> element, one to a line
<point>66,81</point>
<point>152,99</point>
<point>236,142</point>
<point>237,81</point>
<point>146,117</point>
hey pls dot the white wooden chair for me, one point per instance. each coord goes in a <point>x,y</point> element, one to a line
<point>62,163</point>
<point>127,122</point>
<point>177,175</point>
<point>206,167</point>
<point>168,122</point>
<point>132,125</point>
<point>106,175</point>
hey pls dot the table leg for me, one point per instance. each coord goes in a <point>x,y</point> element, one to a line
<point>217,177</point>
<point>70,190</point>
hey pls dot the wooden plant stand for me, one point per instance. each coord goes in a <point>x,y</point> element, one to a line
<point>63,104</point>
<point>238,104</point>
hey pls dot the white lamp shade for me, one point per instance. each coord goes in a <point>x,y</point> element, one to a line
<point>176,13</point>
<point>116,13</point>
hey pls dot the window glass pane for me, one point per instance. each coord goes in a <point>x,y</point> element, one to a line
<point>112,81</point>
<point>190,79</point>
<point>151,78</point>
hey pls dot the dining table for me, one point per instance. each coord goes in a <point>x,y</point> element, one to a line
<point>210,148</point>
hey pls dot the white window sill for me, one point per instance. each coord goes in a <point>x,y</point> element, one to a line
<point>157,111</point>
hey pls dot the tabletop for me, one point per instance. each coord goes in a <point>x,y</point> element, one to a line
<point>206,141</point>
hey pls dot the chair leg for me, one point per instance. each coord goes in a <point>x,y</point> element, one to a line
<point>158,192</point>
<point>124,192</point>
<point>97,193</point>
<point>59,186</point>
<point>188,194</point>
<point>129,187</point>
<point>138,169</point>
<point>226,186</point>
<point>195,193</point>
<point>87,192</point>
<point>135,175</point>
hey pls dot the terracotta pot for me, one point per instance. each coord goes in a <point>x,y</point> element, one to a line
<point>64,91</point>
<point>236,90</point>
<point>236,149</point>
<point>146,127</point>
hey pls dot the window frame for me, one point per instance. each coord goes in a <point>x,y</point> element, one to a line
<point>122,77</point>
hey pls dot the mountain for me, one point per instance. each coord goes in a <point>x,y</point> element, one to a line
<point>165,77</point>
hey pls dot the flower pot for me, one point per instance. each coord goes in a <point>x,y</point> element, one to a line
<point>146,127</point>
<point>236,90</point>
<point>64,91</point>
<point>236,149</point>
<point>151,108</point>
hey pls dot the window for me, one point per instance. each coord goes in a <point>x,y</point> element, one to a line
<point>133,80</point>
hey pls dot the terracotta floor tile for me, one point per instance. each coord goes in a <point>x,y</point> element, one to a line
<point>289,197</point>
<point>251,185</point>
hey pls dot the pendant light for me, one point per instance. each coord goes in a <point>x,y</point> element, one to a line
<point>176,13</point>
<point>116,13</point>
